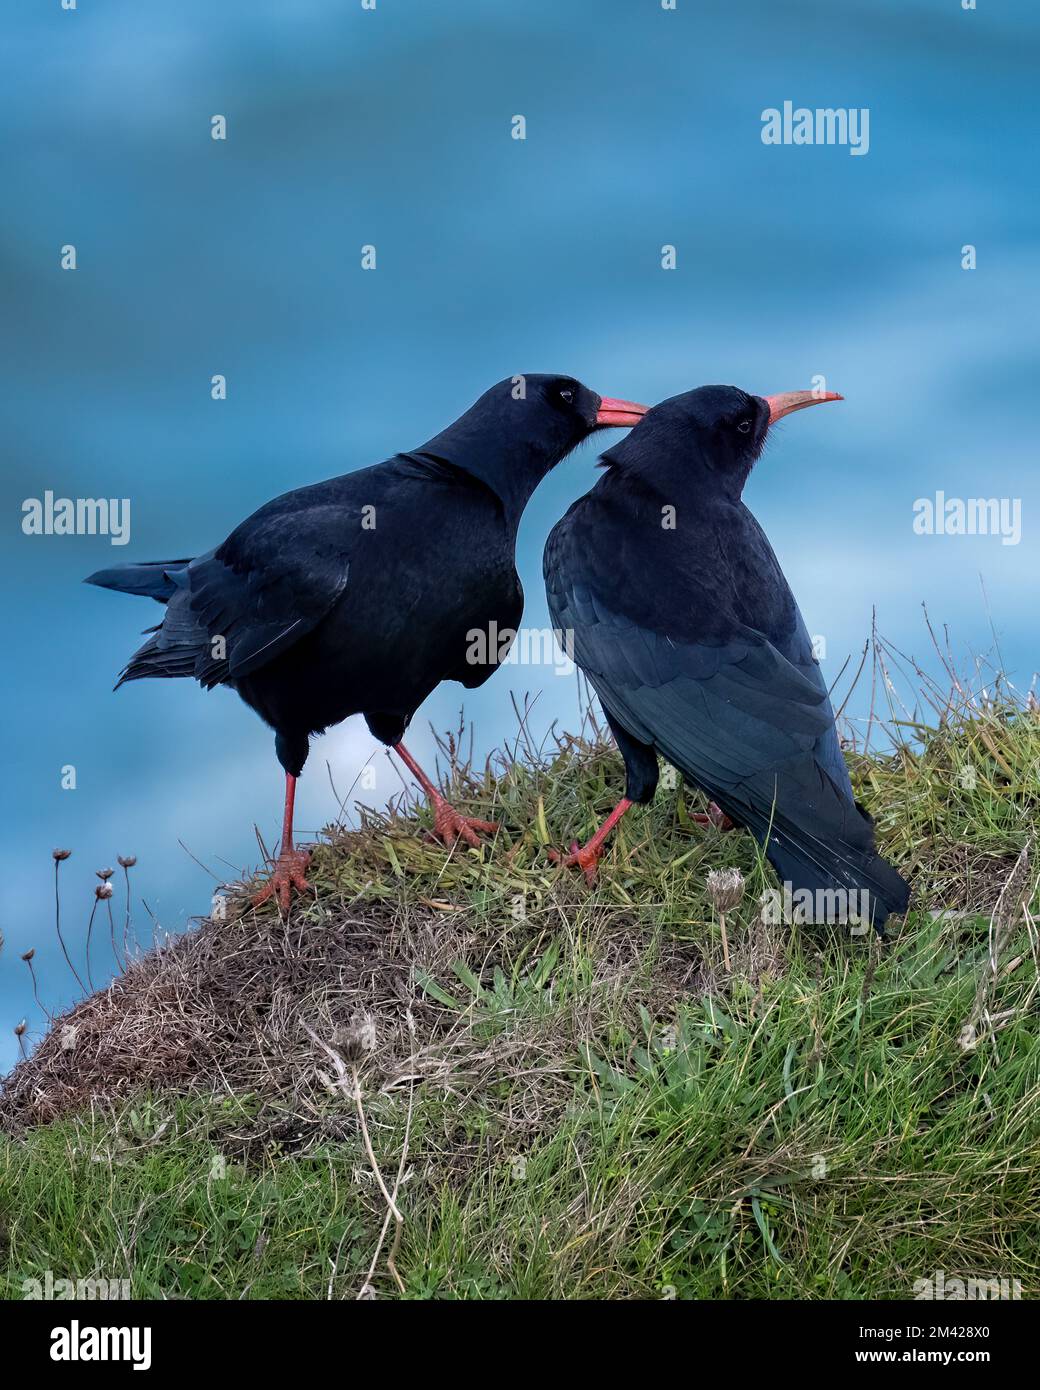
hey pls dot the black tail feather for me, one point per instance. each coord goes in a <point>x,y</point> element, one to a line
<point>827,858</point>
<point>149,579</point>
<point>179,644</point>
<point>844,879</point>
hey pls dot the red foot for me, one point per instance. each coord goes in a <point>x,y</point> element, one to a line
<point>449,825</point>
<point>716,816</point>
<point>586,858</point>
<point>287,874</point>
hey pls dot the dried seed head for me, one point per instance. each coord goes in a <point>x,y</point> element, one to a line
<point>103,890</point>
<point>28,955</point>
<point>60,854</point>
<point>126,861</point>
<point>104,874</point>
<point>360,1037</point>
<point>19,1028</point>
<point>725,888</point>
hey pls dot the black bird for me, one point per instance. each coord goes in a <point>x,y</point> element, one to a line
<point>682,620</point>
<point>361,594</point>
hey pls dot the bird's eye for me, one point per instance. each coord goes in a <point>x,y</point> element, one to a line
<point>744,426</point>
<point>567,395</point>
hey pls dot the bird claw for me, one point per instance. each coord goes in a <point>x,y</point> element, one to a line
<point>586,859</point>
<point>289,872</point>
<point>450,826</point>
<point>715,816</point>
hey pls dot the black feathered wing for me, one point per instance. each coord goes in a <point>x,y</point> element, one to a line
<point>750,724</point>
<point>729,715</point>
<point>271,582</point>
<point>238,607</point>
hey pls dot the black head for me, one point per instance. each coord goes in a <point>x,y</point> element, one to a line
<point>522,427</point>
<point>717,432</point>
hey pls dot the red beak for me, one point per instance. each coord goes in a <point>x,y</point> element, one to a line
<point>613,412</point>
<point>788,401</point>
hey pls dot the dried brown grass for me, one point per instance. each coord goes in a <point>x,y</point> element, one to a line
<point>234,1006</point>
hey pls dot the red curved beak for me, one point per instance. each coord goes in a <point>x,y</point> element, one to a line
<point>614,412</point>
<point>788,401</point>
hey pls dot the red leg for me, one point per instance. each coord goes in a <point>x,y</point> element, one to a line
<point>716,816</point>
<point>290,866</point>
<point>587,857</point>
<point>448,824</point>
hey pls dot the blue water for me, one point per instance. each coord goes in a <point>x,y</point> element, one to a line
<point>495,256</point>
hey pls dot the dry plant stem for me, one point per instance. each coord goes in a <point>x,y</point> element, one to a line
<point>354,1092</point>
<point>112,935</point>
<point>36,993</point>
<point>392,1208</point>
<point>356,1089</point>
<point>90,928</point>
<point>1005,915</point>
<point>391,1259</point>
<point>126,919</point>
<point>725,942</point>
<point>57,927</point>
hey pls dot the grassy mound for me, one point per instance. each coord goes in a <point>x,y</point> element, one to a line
<point>468,1075</point>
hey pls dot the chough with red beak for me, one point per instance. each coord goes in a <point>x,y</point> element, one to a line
<point>689,633</point>
<point>361,594</point>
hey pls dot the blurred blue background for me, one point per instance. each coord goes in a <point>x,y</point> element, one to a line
<point>495,256</point>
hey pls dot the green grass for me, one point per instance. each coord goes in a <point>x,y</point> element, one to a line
<point>601,1110</point>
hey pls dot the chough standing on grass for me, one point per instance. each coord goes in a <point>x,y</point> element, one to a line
<point>357,595</point>
<point>688,631</point>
